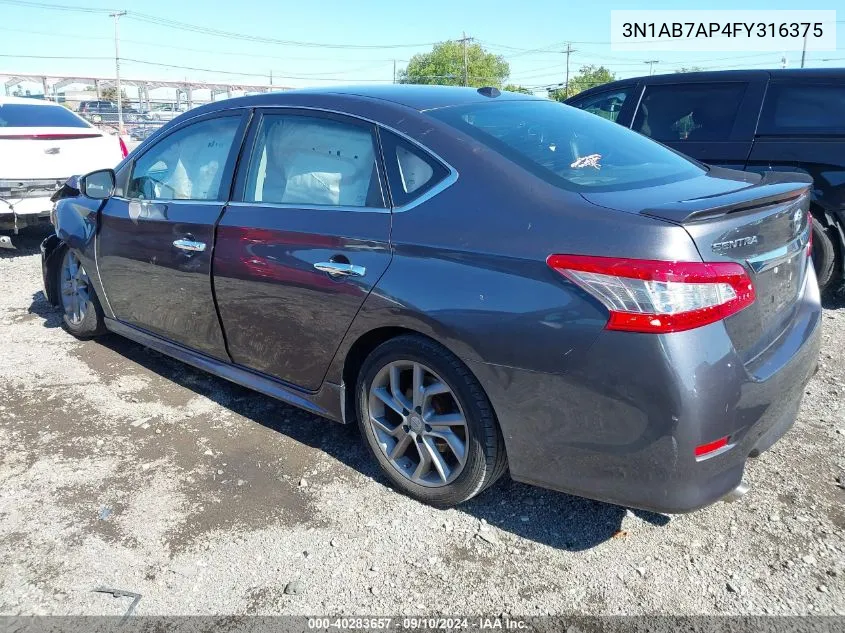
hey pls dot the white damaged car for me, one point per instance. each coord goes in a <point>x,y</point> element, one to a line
<point>42,144</point>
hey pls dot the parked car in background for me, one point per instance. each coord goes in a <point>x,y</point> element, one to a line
<point>753,120</point>
<point>106,112</point>
<point>482,280</point>
<point>141,132</point>
<point>164,112</point>
<point>41,145</point>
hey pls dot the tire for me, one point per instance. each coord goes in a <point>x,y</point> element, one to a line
<point>92,321</point>
<point>484,450</point>
<point>825,257</point>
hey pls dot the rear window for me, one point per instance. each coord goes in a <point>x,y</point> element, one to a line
<point>568,147</point>
<point>803,108</point>
<point>23,115</point>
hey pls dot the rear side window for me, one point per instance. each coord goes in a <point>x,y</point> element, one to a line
<point>689,112</point>
<point>411,171</point>
<point>23,115</point>
<point>303,160</point>
<point>803,109</point>
<point>568,147</point>
<point>607,104</point>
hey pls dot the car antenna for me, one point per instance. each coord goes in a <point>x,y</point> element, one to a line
<point>489,91</point>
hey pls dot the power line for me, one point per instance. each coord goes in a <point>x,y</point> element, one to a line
<point>55,7</point>
<point>157,45</point>
<point>194,28</point>
<point>185,26</point>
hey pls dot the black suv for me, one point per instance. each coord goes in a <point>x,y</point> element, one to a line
<point>105,111</point>
<point>754,120</point>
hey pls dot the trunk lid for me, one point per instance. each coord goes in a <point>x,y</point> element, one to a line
<point>761,222</point>
<point>28,153</point>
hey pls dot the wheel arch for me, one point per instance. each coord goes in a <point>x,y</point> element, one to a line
<point>348,364</point>
<point>833,226</point>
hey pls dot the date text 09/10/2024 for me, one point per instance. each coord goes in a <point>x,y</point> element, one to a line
<point>417,623</point>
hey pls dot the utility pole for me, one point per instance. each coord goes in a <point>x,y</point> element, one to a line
<point>117,15</point>
<point>464,41</point>
<point>394,71</point>
<point>569,50</point>
<point>651,64</point>
<point>271,77</point>
<point>804,51</point>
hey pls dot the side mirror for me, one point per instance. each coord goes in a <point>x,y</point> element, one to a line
<point>98,185</point>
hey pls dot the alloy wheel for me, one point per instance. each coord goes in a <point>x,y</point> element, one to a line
<point>75,287</point>
<point>418,423</point>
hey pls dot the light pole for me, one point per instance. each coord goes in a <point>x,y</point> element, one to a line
<point>117,15</point>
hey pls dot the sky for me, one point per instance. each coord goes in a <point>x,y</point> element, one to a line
<point>349,42</point>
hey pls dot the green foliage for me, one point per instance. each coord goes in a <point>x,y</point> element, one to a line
<point>689,69</point>
<point>444,65</point>
<point>110,94</point>
<point>518,88</point>
<point>588,77</point>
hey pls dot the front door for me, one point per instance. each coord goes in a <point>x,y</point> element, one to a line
<point>157,233</point>
<point>308,240</point>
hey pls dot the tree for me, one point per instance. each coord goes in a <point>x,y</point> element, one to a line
<point>518,88</point>
<point>110,94</point>
<point>444,65</point>
<point>588,77</point>
<point>689,69</point>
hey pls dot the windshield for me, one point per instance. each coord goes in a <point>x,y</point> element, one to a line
<point>570,148</point>
<point>23,115</point>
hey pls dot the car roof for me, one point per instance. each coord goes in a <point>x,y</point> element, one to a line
<point>418,97</point>
<point>723,75</point>
<point>26,101</point>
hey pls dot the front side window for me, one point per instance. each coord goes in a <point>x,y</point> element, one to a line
<point>607,104</point>
<point>689,112</point>
<point>303,160</point>
<point>569,147</point>
<point>187,164</point>
<point>803,108</point>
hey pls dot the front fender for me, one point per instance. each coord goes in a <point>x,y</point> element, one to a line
<point>76,220</point>
<point>49,253</point>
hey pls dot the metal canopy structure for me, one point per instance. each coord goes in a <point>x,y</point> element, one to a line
<point>52,83</point>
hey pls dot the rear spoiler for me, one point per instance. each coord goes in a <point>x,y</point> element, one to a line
<point>773,188</point>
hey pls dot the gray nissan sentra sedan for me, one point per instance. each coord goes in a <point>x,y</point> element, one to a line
<point>482,281</point>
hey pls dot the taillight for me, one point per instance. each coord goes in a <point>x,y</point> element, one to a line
<point>123,149</point>
<point>646,295</point>
<point>711,447</point>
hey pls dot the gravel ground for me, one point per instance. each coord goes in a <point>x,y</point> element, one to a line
<point>122,468</point>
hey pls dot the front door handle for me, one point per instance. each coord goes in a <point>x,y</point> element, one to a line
<point>189,245</point>
<point>341,269</point>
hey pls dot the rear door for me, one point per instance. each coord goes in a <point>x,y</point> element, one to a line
<point>802,128</point>
<point>711,121</point>
<point>156,236</point>
<point>304,243</point>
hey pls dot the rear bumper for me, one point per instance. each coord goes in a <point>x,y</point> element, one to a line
<point>623,428</point>
<point>16,214</point>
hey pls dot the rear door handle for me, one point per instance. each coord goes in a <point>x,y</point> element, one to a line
<point>189,245</point>
<point>341,269</point>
